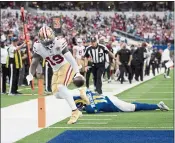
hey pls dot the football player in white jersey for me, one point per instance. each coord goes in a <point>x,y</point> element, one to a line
<point>55,51</point>
<point>78,52</point>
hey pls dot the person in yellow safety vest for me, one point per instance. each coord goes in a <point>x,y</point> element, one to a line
<point>47,69</point>
<point>14,63</point>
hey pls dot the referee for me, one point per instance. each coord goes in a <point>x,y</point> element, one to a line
<point>97,53</point>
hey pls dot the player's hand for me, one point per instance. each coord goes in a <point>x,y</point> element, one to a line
<point>78,74</point>
<point>29,78</point>
<point>129,64</point>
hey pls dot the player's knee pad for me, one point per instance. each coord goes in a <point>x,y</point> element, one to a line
<point>62,92</point>
<point>58,94</point>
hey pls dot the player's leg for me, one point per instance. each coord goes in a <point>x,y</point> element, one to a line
<point>153,68</point>
<point>100,71</point>
<point>129,71</point>
<point>122,70</point>
<point>94,72</point>
<point>122,105</point>
<point>60,80</point>
<point>135,106</point>
<point>145,106</point>
<point>108,73</point>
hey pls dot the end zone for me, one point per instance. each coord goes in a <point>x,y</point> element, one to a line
<point>108,136</point>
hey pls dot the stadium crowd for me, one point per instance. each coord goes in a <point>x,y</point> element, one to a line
<point>153,29</point>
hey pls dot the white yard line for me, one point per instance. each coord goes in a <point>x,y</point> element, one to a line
<point>111,127</point>
<point>92,123</point>
<point>151,92</point>
<point>27,94</point>
<point>25,89</point>
<point>100,115</point>
<point>159,99</point>
<point>157,86</point>
<point>95,119</point>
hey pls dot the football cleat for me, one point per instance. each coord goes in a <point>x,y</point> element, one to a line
<point>168,77</point>
<point>109,80</point>
<point>75,116</point>
<point>162,106</point>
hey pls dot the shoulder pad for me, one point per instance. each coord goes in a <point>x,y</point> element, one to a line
<point>61,43</point>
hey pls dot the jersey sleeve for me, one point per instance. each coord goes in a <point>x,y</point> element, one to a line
<point>61,44</point>
<point>106,50</point>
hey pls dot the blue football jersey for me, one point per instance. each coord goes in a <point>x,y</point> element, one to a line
<point>98,103</point>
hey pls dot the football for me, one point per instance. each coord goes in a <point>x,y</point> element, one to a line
<point>78,81</point>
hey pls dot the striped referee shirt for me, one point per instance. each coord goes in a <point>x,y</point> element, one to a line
<point>97,54</point>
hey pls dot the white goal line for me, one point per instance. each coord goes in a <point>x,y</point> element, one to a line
<point>111,127</point>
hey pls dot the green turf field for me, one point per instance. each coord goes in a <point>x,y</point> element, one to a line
<point>152,91</point>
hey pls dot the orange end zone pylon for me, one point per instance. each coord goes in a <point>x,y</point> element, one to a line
<point>41,105</point>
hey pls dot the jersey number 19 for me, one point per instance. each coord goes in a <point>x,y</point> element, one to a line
<point>57,59</point>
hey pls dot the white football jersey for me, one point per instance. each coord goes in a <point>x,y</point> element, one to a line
<point>79,51</point>
<point>53,56</point>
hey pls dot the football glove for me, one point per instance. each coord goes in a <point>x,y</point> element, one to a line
<point>29,78</point>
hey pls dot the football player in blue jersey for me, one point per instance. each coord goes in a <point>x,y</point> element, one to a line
<point>97,104</point>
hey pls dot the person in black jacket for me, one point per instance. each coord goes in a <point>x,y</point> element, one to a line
<point>153,62</point>
<point>134,62</point>
<point>124,60</point>
<point>158,59</point>
<point>140,57</point>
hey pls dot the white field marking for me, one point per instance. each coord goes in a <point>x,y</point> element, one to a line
<point>110,127</point>
<point>99,115</point>
<point>95,119</point>
<point>164,87</point>
<point>93,123</point>
<point>27,94</point>
<point>152,92</point>
<point>160,99</point>
<point>25,89</point>
<point>154,84</point>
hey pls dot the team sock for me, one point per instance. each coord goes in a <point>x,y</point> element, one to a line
<point>145,106</point>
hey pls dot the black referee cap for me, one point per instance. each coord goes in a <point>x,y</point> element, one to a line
<point>93,39</point>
